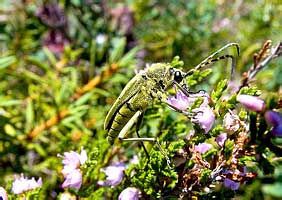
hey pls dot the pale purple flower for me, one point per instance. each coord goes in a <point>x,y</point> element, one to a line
<point>220,139</point>
<point>114,173</point>
<point>204,117</point>
<point>129,193</point>
<point>204,114</point>
<point>251,102</point>
<point>203,147</point>
<point>3,194</point>
<point>231,184</point>
<point>71,171</point>
<point>73,160</point>
<point>183,102</point>
<point>275,119</point>
<point>231,123</point>
<point>22,184</point>
<point>180,101</point>
<point>73,180</point>
<point>205,96</point>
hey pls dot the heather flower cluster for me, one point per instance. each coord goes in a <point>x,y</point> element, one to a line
<point>71,171</point>
<point>22,184</point>
<point>204,115</point>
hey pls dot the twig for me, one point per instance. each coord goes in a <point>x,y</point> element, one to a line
<point>96,81</point>
<point>260,63</point>
<point>46,125</point>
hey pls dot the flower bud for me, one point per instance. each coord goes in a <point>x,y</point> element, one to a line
<point>251,102</point>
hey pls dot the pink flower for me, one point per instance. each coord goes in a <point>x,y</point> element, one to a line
<point>204,114</point>
<point>114,173</point>
<point>73,160</point>
<point>204,117</point>
<point>129,193</point>
<point>22,184</point>
<point>3,194</point>
<point>251,102</point>
<point>180,101</point>
<point>71,171</point>
<point>220,139</point>
<point>203,147</point>
<point>73,180</point>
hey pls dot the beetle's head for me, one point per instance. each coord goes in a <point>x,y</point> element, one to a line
<point>163,74</point>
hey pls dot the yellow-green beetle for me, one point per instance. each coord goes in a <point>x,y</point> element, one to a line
<point>142,89</point>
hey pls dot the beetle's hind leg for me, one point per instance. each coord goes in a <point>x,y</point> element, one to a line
<point>137,118</point>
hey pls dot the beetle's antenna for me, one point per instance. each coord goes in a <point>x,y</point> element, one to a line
<point>210,59</point>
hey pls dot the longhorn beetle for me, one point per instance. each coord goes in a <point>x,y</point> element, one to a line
<point>141,90</point>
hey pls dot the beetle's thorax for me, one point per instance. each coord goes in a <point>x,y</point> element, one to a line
<point>159,75</point>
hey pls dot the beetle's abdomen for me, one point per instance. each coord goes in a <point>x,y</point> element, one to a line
<point>125,113</point>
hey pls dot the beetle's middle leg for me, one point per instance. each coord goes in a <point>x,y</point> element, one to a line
<point>137,118</point>
<point>138,124</point>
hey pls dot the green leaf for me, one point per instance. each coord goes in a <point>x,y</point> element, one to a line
<point>7,61</point>
<point>83,99</point>
<point>217,93</point>
<point>4,102</point>
<point>128,58</point>
<point>35,61</point>
<point>118,49</point>
<point>29,115</point>
<point>176,62</point>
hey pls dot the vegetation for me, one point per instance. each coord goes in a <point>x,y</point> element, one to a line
<point>64,63</point>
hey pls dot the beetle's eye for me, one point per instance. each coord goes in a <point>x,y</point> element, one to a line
<point>178,76</point>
